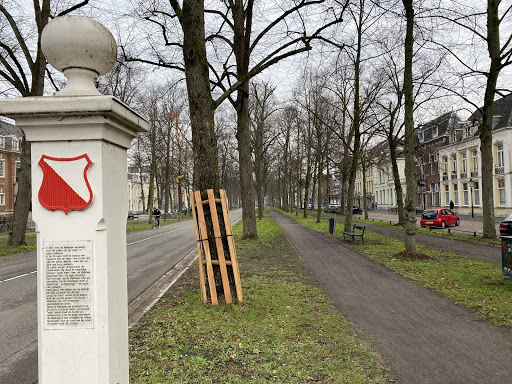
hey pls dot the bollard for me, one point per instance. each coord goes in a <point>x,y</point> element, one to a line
<point>332,225</point>
<point>79,142</point>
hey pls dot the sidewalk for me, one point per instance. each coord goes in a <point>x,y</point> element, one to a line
<point>420,334</point>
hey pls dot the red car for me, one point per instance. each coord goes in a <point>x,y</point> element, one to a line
<point>439,217</point>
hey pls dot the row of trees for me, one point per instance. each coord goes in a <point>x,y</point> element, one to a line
<point>375,68</point>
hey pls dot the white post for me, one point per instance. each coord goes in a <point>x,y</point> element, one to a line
<point>79,177</point>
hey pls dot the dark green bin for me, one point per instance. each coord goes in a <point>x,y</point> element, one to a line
<point>506,256</point>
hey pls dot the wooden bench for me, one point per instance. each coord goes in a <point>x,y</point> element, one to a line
<point>360,232</point>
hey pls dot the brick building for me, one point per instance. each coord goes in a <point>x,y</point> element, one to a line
<point>429,138</point>
<point>10,153</point>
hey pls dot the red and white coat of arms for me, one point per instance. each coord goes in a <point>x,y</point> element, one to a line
<point>65,185</point>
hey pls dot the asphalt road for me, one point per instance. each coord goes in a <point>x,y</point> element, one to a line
<point>422,336</point>
<point>151,254</point>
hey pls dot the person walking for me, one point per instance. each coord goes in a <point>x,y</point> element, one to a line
<point>452,205</point>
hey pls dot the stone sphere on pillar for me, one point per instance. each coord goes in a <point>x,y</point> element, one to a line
<point>82,49</point>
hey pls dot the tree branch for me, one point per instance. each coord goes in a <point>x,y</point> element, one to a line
<point>74,7</point>
<point>18,35</point>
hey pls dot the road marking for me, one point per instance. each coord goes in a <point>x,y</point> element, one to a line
<point>16,277</point>
<point>165,233</point>
<point>135,242</point>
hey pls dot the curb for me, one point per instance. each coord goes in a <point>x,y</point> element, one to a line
<point>138,307</point>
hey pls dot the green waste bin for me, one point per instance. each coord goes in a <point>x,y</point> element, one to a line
<point>506,256</point>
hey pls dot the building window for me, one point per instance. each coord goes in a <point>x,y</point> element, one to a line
<point>445,166</point>
<point>465,194</point>
<point>464,163</point>
<point>446,195</point>
<point>476,192</point>
<point>468,131</point>
<point>15,144</point>
<point>499,150</point>
<point>456,194</point>
<point>474,154</point>
<point>501,191</point>
<point>2,168</point>
<point>2,198</point>
<point>434,199</point>
<point>454,165</point>
<point>2,142</point>
<point>434,132</point>
<point>17,170</point>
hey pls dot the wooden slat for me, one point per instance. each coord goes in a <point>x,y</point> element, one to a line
<point>220,247</point>
<point>216,262</point>
<point>206,247</point>
<point>231,244</point>
<point>199,252</point>
<point>205,202</point>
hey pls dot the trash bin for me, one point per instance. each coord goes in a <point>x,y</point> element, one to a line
<point>332,224</point>
<point>506,256</point>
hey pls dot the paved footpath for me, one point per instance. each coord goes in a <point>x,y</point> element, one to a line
<point>422,336</point>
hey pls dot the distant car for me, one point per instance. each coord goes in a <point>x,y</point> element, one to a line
<point>356,210</point>
<point>133,214</point>
<point>439,217</point>
<point>333,208</point>
<point>506,226</point>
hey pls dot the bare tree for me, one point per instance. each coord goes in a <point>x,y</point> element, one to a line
<point>263,136</point>
<point>410,160</point>
<point>233,47</point>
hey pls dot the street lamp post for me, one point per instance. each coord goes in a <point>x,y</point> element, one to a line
<point>471,183</point>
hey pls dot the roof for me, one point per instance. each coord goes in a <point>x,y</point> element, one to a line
<point>7,129</point>
<point>502,113</point>
<point>444,124</point>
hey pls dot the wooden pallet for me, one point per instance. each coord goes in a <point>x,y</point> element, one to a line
<point>216,253</point>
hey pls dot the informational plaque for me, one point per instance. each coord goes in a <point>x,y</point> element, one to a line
<point>68,285</point>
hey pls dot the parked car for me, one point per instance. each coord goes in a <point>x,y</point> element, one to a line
<point>133,214</point>
<point>439,217</point>
<point>506,226</point>
<point>333,208</point>
<point>356,210</point>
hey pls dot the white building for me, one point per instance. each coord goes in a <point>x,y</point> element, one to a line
<point>460,163</point>
<point>135,188</point>
<point>383,180</point>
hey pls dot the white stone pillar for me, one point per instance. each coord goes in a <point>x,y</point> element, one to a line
<point>79,176</point>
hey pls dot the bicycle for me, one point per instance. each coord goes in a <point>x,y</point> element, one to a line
<point>156,222</point>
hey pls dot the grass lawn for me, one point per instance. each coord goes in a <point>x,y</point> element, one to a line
<point>285,331</point>
<point>474,284</point>
<point>449,233</point>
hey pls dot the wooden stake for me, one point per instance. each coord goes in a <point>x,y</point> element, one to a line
<point>201,261</point>
<point>220,247</point>
<point>231,244</point>
<point>206,248</point>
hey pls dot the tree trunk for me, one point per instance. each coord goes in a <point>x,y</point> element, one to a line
<point>410,159</point>
<point>241,39</point>
<point>201,106</point>
<point>493,45</point>
<point>365,203</point>
<point>356,130</point>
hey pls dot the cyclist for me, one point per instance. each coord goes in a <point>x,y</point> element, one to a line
<point>156,217</point>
